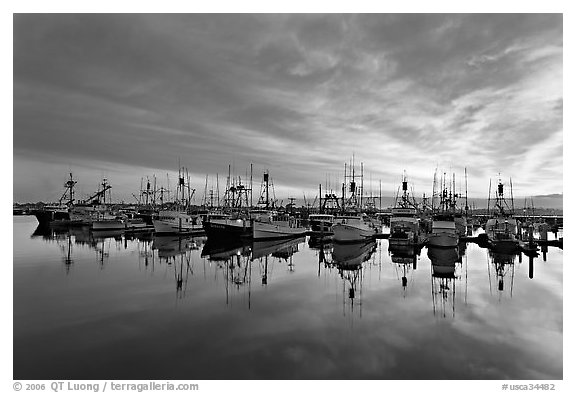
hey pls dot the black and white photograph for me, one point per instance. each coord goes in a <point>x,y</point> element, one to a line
<point>242,196</point>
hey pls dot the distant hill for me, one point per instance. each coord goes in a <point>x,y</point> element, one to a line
<point>552,201</point>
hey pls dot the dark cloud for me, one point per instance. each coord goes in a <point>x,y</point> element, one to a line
<point>296,93</point>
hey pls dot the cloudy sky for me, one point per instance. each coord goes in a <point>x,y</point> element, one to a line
<point>128,96</point>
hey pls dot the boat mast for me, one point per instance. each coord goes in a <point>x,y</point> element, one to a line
<point>511,196</point>
<point>320,201</point>
<point>69,189</point>
<point>489,192</point>
<point>361,185</point>
<point>380,194</point>
<point>466,190</point>
<point>267,193</point>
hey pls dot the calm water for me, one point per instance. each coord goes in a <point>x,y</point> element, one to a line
<point>90,307</point>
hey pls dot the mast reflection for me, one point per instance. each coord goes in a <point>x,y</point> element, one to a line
<point>176,251</point>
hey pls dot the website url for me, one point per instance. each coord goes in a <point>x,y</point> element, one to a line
<point>151,386</point>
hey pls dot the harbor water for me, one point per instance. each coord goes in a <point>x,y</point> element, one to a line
<point>118,306</point>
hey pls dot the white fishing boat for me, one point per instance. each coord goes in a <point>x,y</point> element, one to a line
<point>502,232</point>
<point>404,221</point>
<point>502,227</point>
<point>273,226</point>
<point>352,225</point>
<point>108,222</point>
<point>268,223</point>
<point>354,228</point>
<point>176,222</point>
<point>135,222</point>
<point>446,221</point>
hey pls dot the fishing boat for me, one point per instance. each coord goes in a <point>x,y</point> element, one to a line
<point>354,228</point>
<point>104,217</point>
<point>171,222</point>
<point>404,221</point>
<point>502,228</point>
<point>137,224</point>
<point>93,208</point>
<point>273,226</point>
<point>444,232</point>
<point>352,225</point>
<point>176,220</point>
<point>235,223</point>
<point>108,222</point>
<point>268,223</point>
<point>58,214</point>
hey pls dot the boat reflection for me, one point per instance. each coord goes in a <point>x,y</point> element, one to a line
<point>502,266</point>
<point>236,260</point>
<point>443,266</point>
<point>223,251</point>
<point>404,258</point>
<point>48,233</point>
<point>323,245</point>
<point>348,259</point>
<point>281,250</point>
<point>176,251</point>
<point>319,242</point>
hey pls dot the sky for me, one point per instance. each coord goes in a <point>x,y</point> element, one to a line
<point>129,96</point>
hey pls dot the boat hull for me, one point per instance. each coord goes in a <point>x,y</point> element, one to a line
<point>171,222</point>
<point>47,217</point>
<point>228,229</point>
<point>345,233</point>
<point>108,225</point>
<point>274,231</point>
<point>138,227</point>
<point>171,228</point>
